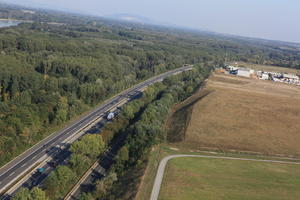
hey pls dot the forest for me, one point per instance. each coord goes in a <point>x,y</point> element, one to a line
<point>59,66</point>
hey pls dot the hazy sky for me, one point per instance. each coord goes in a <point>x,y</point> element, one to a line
<point>271,19</point>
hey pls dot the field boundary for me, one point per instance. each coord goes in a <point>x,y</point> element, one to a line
<point>183,109</point>
<point>164,161</point>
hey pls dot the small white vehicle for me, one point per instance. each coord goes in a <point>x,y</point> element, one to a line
<point>110,116</point>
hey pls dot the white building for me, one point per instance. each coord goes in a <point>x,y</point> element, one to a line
<point>231,68</point>
<point>245,72</point>
<point>265,76</point>
<point>291,77</point>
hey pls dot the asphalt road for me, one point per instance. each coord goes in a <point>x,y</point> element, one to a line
<point>163,163</point>
<point>41,151</point>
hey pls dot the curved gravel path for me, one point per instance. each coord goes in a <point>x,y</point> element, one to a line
<point>163,163</point>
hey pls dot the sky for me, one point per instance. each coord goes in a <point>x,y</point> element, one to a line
<point>269,19</point>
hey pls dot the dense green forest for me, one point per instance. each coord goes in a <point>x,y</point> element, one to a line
<point>61,65</point>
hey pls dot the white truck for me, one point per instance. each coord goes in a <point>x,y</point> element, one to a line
<point>110,116</point>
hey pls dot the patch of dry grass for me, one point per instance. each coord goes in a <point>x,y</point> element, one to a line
<point>247,115</point>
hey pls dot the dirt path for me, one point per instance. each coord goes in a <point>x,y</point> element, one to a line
<point>163,163</point>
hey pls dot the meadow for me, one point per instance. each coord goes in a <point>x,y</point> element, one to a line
<point>216,179</point>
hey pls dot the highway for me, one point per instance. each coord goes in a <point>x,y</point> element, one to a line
<point>97,170</point>
<point>23,164</point>
<point>163,163</point>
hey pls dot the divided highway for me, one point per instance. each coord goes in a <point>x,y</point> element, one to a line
<point>23,164</point>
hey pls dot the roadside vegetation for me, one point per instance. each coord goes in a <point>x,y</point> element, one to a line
<point>26,194</point>
<point>147,132</point>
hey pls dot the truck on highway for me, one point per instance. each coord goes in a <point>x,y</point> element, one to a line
<point>110,116</point>
<point>41,170</point>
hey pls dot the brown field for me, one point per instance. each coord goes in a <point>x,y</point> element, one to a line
<point>246,115</point>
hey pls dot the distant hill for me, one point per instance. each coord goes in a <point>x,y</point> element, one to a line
<point>131,18</point>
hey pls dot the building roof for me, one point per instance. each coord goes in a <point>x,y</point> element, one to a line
<point>290,76</point>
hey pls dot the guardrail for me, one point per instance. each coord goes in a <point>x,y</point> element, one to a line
<point>82,179</point>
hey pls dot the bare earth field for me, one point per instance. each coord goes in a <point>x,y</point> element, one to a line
<point>218,179</point>
<point>246,115</point>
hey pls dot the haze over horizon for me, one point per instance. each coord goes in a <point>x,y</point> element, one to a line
<point>268,19</point>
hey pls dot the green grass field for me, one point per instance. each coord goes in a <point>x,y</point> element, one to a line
<point>217,179</point>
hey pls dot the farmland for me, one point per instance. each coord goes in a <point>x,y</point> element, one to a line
<point>213,179</point>
<point>246,115</point>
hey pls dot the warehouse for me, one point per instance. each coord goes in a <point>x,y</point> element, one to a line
<point>245,72</point>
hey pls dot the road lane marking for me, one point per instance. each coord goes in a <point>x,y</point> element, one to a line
<point>33,157</point>
<point>23,165</point>
<point>12,174</point>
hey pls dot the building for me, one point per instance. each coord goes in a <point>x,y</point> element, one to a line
<point>291,77</point>
<point>265,76</point>
<point>233,72</point>
<point>245,72</point>
<point>231,68</point>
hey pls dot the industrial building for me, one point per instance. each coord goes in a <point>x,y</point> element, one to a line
<point>275,76</point>
<point>245,72</point>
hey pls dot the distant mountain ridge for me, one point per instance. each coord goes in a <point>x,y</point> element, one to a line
<point>130,18</point>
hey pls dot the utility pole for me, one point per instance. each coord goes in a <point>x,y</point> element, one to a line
<point>225,62</point>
